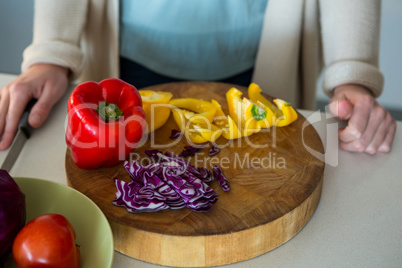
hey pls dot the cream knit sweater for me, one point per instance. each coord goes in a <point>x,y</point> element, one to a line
<point>299,37</point>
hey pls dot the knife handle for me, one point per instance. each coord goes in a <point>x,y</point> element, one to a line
<point>24,125</point>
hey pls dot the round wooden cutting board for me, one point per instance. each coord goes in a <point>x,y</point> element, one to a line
<point>275,189</point>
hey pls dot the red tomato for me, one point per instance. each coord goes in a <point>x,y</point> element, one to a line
<point>47,241</point>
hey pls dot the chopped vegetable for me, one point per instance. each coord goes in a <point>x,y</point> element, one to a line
<point>280,115</point>
<point>213,150</point>
<point>200,107</point>
<point>241,111</point>
<point>190,134</point>
<point>175,134</point>
<point>208,131</point>
<point>169,182</point>
<point>254,93</point>
<point>233,97</point>
<point>222,180</point>
<point>202,173</point>
<point>156,108</point>
<point>289,114</point>
<point>190,151</point>
<point>12,211</point>
<point>200,132</point>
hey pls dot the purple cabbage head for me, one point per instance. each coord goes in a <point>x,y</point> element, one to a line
<point>12,211</point>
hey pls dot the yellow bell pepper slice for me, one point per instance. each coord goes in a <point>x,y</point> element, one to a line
<point>200,107</point>
<point>183,124</point>
<point>249,117</point>
<point>229,128</point>
<point>232,132</point>
<point>284,113</point>
<point>289,114</point>
<point>233,97</point>
<point>259,115</point>
<point>250,127</point>
<point>220,118</point>
<point>249,124</point>
<point>154,104</point>
<point>194,137</point>
<point>218,107</point>
<point>270,117</point>
<point>209,131</point>
<point>254,93</point>
<point>201,132</point>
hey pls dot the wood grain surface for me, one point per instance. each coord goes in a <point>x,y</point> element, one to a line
<point>275,189</point>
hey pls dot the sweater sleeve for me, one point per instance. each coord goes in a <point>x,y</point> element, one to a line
<point>58,25</point>
<point>351,35</point>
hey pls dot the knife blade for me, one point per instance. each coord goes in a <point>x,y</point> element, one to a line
<point>24,132</point>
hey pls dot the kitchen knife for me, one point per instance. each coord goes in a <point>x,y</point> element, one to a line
<point>23,133</point>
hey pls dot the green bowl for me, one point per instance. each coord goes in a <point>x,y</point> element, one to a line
<point>94,234</point>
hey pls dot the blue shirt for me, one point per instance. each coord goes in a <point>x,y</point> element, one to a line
<point>192,39</point>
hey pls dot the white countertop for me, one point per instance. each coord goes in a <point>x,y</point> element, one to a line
<point>358,222</point>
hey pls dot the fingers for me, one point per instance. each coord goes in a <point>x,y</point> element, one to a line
<point>345,109</point>
<point>379,133</point>
<point>370,127</point>
<point>48,95</point>
<point>382,141</point>
<point>17,104</point>
<point>341,108</point>
<point>41,110</point>
<point>389,138</point>
<point>42,107</point>
<point>4,103</point>
<point>358,121</point>
<point>12,106</point>
<point>45,82</point>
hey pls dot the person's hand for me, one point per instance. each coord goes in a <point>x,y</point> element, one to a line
<point>370,127</point>
<point>44,82</point>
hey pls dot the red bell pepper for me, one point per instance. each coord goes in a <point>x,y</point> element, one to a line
<point>105,123</point>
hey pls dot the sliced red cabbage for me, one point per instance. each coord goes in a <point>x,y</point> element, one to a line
<point>153,153</point>
<point>169,182</point>
<point>190,151</point>
<point>147,179</point>
<point>213,150</point>
<point>222,180</point>
<point>203,173</point>
<point>175,134</point>
<point>135,202</point>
